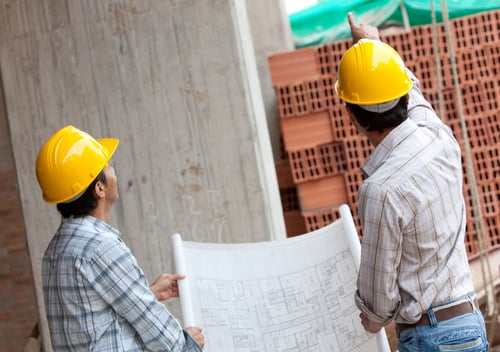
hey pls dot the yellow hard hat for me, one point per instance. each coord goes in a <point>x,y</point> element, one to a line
<point>371,72</point>
<point>69,161</point>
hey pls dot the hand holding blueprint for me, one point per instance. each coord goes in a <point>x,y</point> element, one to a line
<point>289,295</point>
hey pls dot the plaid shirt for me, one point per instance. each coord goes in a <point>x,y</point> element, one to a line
<point>412,209</point>
<point>98,299</point>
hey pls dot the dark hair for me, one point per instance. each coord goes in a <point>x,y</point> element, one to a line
<point>374,121</point>
<point>83,205</point>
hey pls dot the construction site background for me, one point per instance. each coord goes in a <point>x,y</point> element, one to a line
<point>321,153</point>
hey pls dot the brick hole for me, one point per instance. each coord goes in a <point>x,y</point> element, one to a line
<point>300,99</point>
<point>285,99</point>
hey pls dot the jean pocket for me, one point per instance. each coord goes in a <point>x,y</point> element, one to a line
<point>466,344</point>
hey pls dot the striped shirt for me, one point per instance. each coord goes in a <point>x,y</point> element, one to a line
<point>412,214</point>
<point>98,299</point>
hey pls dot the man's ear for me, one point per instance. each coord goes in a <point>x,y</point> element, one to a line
<point>99,189</point>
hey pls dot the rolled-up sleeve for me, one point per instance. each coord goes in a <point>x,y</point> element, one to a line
<point>378,295</point>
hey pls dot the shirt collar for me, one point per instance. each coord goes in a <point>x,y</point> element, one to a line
<point>392,140</point>
<point>93,222</point>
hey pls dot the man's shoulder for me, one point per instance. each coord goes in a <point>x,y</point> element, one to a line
<point>81,238</point>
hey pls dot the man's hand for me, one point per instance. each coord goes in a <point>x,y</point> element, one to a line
<point>165,286</point>
<point>362,31</point>
<point>371,326</point>
<point>196,334</point>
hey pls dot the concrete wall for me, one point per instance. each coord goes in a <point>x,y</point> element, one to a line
<point>176,82</point>
<point>271,33</point>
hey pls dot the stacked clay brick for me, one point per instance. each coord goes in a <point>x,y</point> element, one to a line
<point>322,152</point>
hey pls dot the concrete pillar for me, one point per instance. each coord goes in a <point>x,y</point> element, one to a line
<point>176,82</point>
<point>271,34</point>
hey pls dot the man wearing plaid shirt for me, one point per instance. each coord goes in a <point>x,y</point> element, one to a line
<point>96,296</point>
<point>414,267</point>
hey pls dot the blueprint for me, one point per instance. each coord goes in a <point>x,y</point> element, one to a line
<point>289,295</point>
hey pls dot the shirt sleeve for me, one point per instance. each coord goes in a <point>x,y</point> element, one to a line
<point>378,294</point>
<point>114,274</point>
<point>420,109</point>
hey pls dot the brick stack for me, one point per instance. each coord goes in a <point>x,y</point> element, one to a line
<point>322,152</point>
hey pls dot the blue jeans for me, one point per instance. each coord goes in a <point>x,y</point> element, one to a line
<point>463,333</point>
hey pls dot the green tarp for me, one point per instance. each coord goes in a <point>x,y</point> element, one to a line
<point>327,21</point>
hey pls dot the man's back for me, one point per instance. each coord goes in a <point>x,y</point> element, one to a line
<point>412,210</point>
<point>97,297</point>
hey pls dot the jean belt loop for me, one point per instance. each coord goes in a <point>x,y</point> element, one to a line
<point>432,318</point>
<point>470,298</point>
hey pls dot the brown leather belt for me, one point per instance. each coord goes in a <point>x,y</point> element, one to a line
<point>441,315</point>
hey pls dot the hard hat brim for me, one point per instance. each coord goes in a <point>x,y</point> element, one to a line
<point>110,144</point>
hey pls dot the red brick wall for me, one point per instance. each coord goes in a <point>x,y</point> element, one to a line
<point>18,312</point>
<point>323,152</point>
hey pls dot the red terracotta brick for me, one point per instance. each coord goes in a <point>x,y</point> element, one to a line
<point>284,174</point>
<point>423,41</point>
<point>475,30</point>
<point>294,223</point>
<point>471,242</point>
<point>292,100</point>
<point>357,150</point>
<point>294,66</point>
<point>332,158</point>
<point>306,131</point>
<point>315,96</point>
<point>289,199</point>
<point>319,161</point>
<point>284,101</point>
<point>342,127</point>
<point>477,131</point>
<point>329,93</point>
<point>487,163</point>
<point>449,102</point>
<point>325,60</point>
<point>299,98</point>
<point>465,35</point>
<point>492,50</point>
<point>304,165</point>
<point>492,121</point>
<point>327,192</point>
<point>353,180</point>
<point>491,91</point>
<point>472,99</point>
<point>316,220</point>
<point>492,229</point>
<point>427,72</point>
<point>488,196</point>
<point>335,50</point>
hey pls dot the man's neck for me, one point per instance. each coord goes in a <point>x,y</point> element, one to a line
<point>376,137</point>
<point>101,212</point>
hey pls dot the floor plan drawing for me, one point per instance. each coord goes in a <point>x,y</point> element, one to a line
<point>290,295</point>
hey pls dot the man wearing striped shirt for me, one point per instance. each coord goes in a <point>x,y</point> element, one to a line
<point>96,296</point>
<point>414,267</point>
